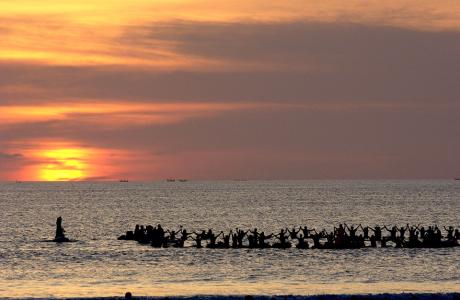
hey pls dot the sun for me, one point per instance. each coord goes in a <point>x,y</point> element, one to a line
<point>49,160</point>
<point>63,164</point>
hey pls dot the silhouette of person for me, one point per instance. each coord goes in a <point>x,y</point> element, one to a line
<point>377,232</point>
<point>198,237</point>
<point>450,232</point>
<point>301,242</point>
<point>365,231</point>
<point>293,233</point>
<point>262,238</point>
<point>305,231</point>
<point>59,229</point>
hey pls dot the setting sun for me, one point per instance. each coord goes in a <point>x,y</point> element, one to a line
<point>63,164</point>
<point>64,160</point>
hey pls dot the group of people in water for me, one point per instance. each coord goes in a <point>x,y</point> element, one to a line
<point>342,237</point>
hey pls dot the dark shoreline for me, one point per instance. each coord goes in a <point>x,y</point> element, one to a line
<point>384,296</point>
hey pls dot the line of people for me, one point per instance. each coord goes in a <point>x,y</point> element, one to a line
<point>342,237</point>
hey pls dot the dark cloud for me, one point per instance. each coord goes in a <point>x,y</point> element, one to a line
<point>10,162</point>
<point>340,60</point>
<point>272,86</point>
<point>368,143</point>
<point>301,62</point>
<point>4,155</point>
<point>305,43</point>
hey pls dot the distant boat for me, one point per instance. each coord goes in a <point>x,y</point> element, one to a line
<point>174,180</point>
<point>124,180</point>
<point>456,178</point>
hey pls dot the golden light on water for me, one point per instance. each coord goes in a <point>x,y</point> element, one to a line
<point>64,164</point>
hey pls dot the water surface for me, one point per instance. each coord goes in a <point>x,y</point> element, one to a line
<point>99,265</point>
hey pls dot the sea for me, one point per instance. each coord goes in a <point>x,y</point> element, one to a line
<point>98,265</point>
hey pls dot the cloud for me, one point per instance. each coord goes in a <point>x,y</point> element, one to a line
<point>277,62</point>
<point>296,143</point>
<point>74,34</point>
<point>286,100</point>
<point>327,48</point>
<point>9,156</point>
<point>115,114</point>
<point>10,162</point>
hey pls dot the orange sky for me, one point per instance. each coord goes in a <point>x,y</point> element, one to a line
<point>221,90</point>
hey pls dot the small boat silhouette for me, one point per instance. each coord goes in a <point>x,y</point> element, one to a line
<point>124,180</point>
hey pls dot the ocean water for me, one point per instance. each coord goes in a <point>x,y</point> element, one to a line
<point>98,264</point>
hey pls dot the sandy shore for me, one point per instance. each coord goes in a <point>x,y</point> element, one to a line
<point>405,296</point>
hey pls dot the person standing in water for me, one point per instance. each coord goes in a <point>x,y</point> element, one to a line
<point>60,236</point>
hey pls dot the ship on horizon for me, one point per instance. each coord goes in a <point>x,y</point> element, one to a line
<point>174,180</point>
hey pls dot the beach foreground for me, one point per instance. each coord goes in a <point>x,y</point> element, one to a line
<point>404,296</point>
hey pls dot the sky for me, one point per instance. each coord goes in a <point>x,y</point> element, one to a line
<point>199,89</point>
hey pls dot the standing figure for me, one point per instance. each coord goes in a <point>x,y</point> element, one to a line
<point>60,236</point>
